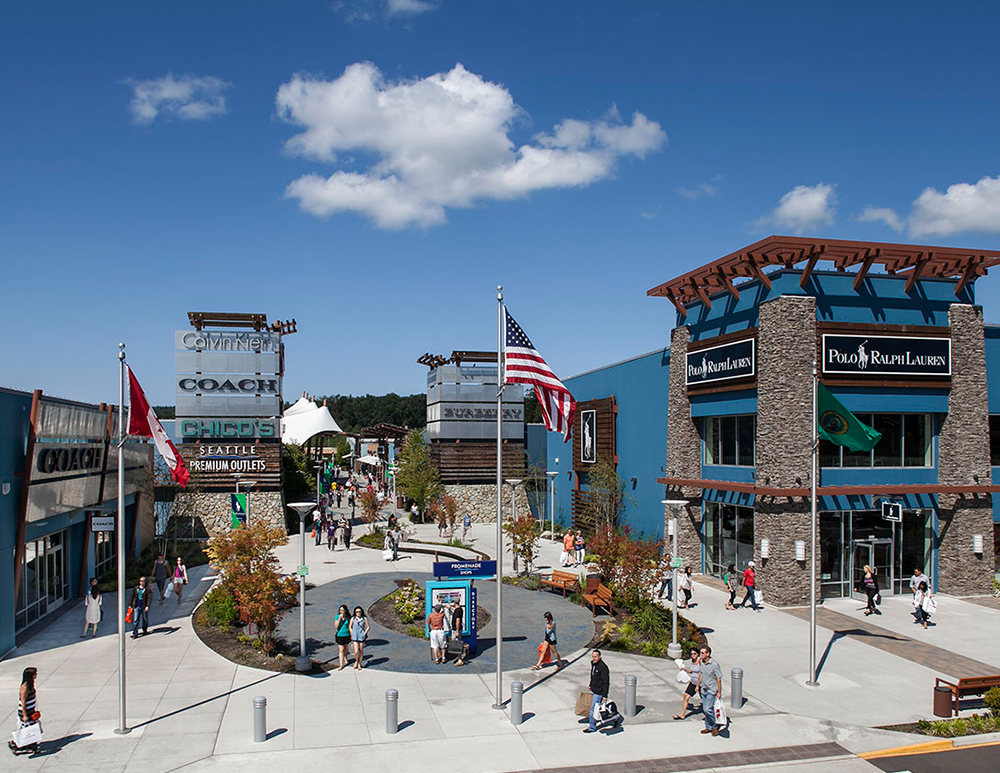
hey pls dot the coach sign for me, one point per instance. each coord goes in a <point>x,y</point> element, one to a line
<point>860,355</point>
<point>721,363</point>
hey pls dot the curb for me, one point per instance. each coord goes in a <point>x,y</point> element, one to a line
<point>966,742</point>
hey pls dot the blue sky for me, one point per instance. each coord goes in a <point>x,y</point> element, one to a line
<point>374,169</point>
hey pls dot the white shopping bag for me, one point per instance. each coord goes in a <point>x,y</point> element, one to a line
<point>387,555</point>
<point>758,596</point>
<point>169,590</point>
<point>683,677</point>
<point>930,605</point>
<point>720,712</point>
<point>27,735</point>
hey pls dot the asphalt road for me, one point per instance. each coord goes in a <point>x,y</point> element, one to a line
<point>974,760</point>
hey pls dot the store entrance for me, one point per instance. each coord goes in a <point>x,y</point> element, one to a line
<point>878,554</point>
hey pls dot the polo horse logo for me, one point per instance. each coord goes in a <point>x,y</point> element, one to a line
<point>863,355</point>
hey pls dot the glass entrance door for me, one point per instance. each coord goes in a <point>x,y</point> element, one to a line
<point>878,554</point>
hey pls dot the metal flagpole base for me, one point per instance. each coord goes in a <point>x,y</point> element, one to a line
<point>123,730</point>
<point>812,684</point>
<point>498,706</point>
<point>674,650</point>
<point>303,663</point>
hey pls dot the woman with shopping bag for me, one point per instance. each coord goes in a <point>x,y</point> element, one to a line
<point>29,733</point>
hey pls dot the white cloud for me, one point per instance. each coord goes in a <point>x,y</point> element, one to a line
<point>702,190</point>
<point>370,10</point>
<point>881,215</point>
<point>186,96</point>
<point>438,142</point>
<point>963,207</point>
<point>804,208</point>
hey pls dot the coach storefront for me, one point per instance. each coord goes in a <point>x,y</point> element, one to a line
<point>57,528</point>
<point>895,335</point>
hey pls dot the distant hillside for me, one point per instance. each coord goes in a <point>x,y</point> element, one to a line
<point>164,412</point>
<point>355,413</point>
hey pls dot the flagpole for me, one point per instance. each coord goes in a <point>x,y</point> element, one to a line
<point>123,727</point>
<point>812,527</point>
<point>500,378</point>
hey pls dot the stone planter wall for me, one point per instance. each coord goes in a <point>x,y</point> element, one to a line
<point>206,514</point>
<point>479,500</point>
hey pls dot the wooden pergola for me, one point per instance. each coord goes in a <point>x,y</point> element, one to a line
<point>912,261</point>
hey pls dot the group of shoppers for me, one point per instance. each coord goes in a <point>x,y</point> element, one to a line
<point>351,629</point>
<point>445,623</point>
<point>574,548</point>
<point>704,680</point>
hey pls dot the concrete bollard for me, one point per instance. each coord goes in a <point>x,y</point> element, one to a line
<point>259,719</point>
<point>630,685</point>
<point>516,703</point>
<point>736,691</point>
<point>391,711</point>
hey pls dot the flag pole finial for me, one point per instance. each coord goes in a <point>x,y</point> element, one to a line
<point>121,351</point>
<point>499,292</point>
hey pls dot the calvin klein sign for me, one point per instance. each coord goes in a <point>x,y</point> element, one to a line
<point>720,363</point>
<point>860,355</point>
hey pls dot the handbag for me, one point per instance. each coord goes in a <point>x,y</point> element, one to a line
<point>26,736</point>
<point>582,704</point>
<point>128,615</point>
<point>683,677</point>
<point>930,605</point>
<point>720,712</point>
<point>169,590</point>
<point>387,555</point>
<point>547,656</point>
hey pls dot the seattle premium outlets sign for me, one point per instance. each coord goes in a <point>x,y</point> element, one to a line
<point>861,355</point>
<point>720,363</point>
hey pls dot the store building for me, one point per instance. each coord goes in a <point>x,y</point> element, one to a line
<point>897,337</point>
<point>58,503</point>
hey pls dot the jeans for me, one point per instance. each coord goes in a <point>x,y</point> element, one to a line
<point>750,597</point>
<point>594,702</point>
<point>708,706</point>
<point>141,618</point>
<point>667,583</point>
<point>395,550</point>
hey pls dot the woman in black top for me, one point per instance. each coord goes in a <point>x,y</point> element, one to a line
<point>869,584</point>
<point>27,709</point>
<point>548,644</point>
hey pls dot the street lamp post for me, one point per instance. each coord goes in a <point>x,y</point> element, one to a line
<point>674,649</point>
<point>552,503</point>
<point>302,662</point>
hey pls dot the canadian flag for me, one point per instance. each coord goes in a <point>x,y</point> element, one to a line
<point>142,421</point>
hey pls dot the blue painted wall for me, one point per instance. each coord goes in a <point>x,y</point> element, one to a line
<point>15,414</point>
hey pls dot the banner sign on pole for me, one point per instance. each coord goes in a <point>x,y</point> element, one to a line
<point>239,508</point>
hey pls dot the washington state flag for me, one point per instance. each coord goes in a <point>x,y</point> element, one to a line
<point>838,425</point>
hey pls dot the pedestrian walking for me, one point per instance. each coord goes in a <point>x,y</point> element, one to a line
<point>710,688</point>
<point>414,512</point>
<point>666,578</point>
<point>580,546</point>
<point>359,635</point>
<point>732,585</point>
<point>161,573</point>
<point>180,579</point>
<point>318,530</point>
<point>548,644</point>
<point>331,535</point>
<point>457,626</point>
<point>92,608</point>
<point>600,682</point>
<point>685,585</point>
<point>439,642</point>
<point>917,578</point>
<point>27,710</point>
<point>924,604</point>
<point>569,540</point>
<point>342,633</point>
<point>692,686</point>
<point>869,585</point>
<point>340,497</point>
<point>345,528</point>
<point>750,584</point>
<point>396,535</point>
<point>466,527</point>
<point>142,597</point>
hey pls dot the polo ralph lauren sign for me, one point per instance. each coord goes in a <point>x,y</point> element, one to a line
<point>860,355</point>
<point>720,363</point>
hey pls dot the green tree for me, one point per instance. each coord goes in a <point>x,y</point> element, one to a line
<point>341,448</point>
<point>299,483</point>
<point>606,498</point>
<point>523,536</point>
<point>532,410</point>
<point>416,475</point>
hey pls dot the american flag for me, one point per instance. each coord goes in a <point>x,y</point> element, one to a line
<point>524,365</point>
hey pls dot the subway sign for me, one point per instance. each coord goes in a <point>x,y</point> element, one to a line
<point>247,429</point>
<point>861,355</point>
<point>721,363</point>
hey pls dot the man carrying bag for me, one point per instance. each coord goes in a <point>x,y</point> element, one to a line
<point>600,682</point>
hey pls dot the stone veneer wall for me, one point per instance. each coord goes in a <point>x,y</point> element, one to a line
<point>786,348</point>
<point>480,501</point>
<point>964,460</point>
<point>206,514</point>
<point>683,452</point>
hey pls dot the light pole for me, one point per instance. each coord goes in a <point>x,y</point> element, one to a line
<point>552,503</point>
<point>674,649</point>
<point>302,662</point>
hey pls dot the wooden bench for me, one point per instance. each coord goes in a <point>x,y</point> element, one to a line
<point>973,685</point>
<point>599,598</point>
<point>562,580</point>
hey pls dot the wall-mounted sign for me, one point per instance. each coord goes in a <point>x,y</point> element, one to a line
<point>227,341</point>
<point>102,523</point>
<point>236,429</point>
<point>465,568</point>
<point>480,414</point>
<point>588,439</point>
<point>219,458</point>
<point>231,384</point>
<point>69,458</point>
<point>886,355</point>
<point>720,363</point>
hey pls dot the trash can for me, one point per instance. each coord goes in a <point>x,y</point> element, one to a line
<point>942,702</point>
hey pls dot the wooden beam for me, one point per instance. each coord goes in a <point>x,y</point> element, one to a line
<point>728,284</point>
<point>922,260</point>
<point>701,294</point>
<point>757,272</point>
<point>867,264</point>
<point>679,306</point>
<point>813,257</point>
<point>970,271</point>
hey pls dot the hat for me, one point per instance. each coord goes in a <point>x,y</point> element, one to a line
<point>750,563</point>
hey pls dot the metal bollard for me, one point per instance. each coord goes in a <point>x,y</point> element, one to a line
<point>630,683</point>
<point>736,691</point>
<point>259,719</point>
<point>516,703</point>
<point>391,711</point>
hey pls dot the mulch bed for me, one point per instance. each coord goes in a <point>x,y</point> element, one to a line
<point>384,613</point>
<point>224,642</point>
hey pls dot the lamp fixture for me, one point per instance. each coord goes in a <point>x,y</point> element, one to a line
<point>800,550</point>
<point>977,544</point>
<point>765,548</point>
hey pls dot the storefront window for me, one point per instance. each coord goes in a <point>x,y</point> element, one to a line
<point>43,579</point>
<point>995,441</point>
<point>105,553</point>
<point>831,541</point>
<point>730,440</point>
<point>728,536</point>
<point>905,442</point>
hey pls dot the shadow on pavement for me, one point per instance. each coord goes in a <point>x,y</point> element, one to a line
<point>206,700</point>
<point>54,746</point>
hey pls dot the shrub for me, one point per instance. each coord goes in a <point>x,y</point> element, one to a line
<point>628,562</point>
<point>978,724</point>
<point>219,607</point>
<point>959,727</point>
<point>652,649</point>
<point>992,701</point>
<point>408,602</point>
<point>417,632</point>
<point>523,536</point>
<point>651,621</point>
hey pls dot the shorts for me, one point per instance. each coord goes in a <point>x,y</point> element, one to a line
<point>691,689</point>
<point>438,640</point>
<point>343,639</point>
<point>551,641</point>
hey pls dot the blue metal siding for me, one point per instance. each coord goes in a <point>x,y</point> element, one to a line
<point>725,404</point>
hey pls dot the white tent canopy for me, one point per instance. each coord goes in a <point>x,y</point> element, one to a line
<point>300,426</point>
<point>302,405</point>
<point>370,460</point>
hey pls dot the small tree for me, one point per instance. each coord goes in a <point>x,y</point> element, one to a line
<point>341,448</point>
<point>416,475</point>
<point>250,571</point>
<point>629,563</point>
<point>523,535</point>
<point>450,508</point>
<point>370,506</point>
<point>606,498</point>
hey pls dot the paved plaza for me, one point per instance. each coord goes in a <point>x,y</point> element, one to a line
<point>191,710</point>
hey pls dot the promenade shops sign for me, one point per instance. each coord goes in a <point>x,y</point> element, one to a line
<point>721,363</point>
<point>860,355</point>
